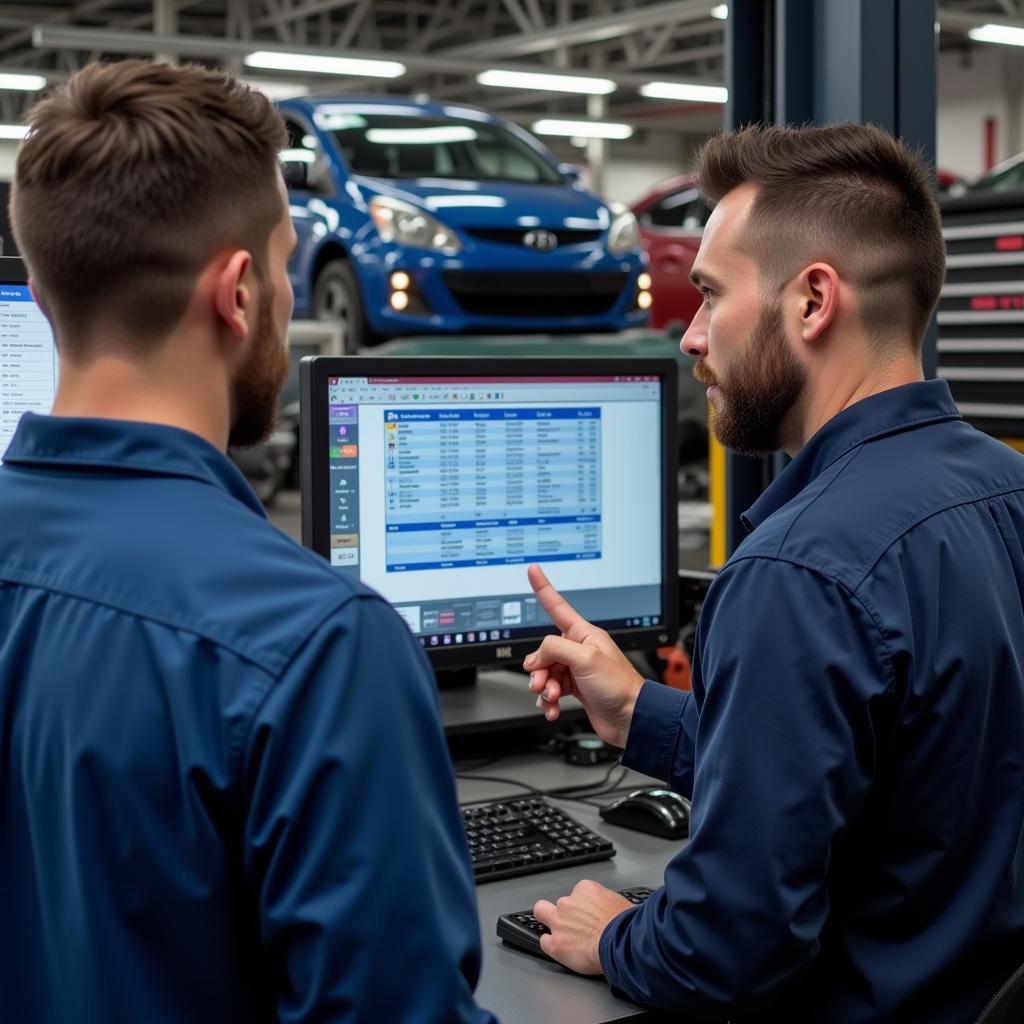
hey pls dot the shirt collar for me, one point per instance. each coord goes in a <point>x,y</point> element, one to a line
<point>126,445</point>
<point>889,412</point>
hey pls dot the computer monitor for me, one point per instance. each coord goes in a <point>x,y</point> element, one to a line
<point>28,356</point>
<point>436,481</point>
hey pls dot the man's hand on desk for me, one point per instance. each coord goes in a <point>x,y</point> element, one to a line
<point>583,662</point>
<point>576,924</point>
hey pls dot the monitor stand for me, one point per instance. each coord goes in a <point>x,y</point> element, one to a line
<point>499,699</point>
<point>499,715</point>
<point>455,678</point>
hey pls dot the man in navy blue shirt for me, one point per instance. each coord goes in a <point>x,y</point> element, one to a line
<point>225,794</point>
<point>854,742</point>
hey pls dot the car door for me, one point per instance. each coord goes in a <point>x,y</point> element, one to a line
<point>671,228</point>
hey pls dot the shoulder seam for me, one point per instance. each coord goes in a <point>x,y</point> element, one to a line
<point>954,503</point>
<point>843,585</point>
<point>245,733</point>
<point>58,586</point>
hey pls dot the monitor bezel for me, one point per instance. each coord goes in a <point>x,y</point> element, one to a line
<point>13,270</point>
<point>313,434</point>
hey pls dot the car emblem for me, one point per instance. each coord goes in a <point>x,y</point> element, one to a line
<point>542,241</point>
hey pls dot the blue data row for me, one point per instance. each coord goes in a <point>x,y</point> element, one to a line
<point>471,546</point>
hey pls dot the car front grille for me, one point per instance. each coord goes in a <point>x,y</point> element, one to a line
<point>514,236</point>
<point>562,294</point>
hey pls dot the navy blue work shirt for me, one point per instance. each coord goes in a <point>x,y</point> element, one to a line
<point>854,743</point>
<point>225,794</point>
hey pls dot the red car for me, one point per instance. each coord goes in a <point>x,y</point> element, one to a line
<point>672,217</point>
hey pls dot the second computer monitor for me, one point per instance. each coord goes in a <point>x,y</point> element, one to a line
<point>437,481</point>
<point>28,356</point>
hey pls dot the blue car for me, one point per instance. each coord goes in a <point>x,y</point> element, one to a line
<point>420,217</point>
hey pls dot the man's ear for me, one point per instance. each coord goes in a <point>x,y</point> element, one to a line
<point>818,298</point>
<point>233,296</point>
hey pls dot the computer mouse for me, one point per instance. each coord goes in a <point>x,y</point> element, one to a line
<point>655,810</point>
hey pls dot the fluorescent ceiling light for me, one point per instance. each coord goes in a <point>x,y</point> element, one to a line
<point>23,83</point>
<point>583,129</point>
<point>413,136</point>
<point>276,90</point>
<point>721,12</point>
<point>324,65</point>
<point>440,202</point>
<point>297,156</point>
<point>1005,34</point>
<point>550,83</point>
<point>685,91</point>
<point>13,131</point>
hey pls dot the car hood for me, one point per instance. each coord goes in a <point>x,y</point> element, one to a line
<point>495,203</point>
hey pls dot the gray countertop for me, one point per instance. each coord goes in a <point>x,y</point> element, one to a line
<point>522,989</point>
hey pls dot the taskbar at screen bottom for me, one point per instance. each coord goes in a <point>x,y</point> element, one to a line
<point>489,636</point>
<point>458,621</point>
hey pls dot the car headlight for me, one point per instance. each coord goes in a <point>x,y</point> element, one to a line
<point>624,232</point>
<point>401,222</point>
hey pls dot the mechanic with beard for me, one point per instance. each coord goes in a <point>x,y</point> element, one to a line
<point>854,742</point>
<point>210,741</point>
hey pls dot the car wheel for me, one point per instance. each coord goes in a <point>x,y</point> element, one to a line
<point>336,296</point>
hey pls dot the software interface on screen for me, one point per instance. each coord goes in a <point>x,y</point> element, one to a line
<point>442,490</point>
<point>28,359</point>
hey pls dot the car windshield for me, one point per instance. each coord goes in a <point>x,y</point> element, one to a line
<point>398,146</point>
<point>1003,178</point>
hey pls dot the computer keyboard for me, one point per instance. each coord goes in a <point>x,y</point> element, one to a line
<point>523,930</point>
<point>523,836</point>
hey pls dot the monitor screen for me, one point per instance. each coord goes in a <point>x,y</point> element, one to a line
<point>437,481</point>
<point>28,356</point>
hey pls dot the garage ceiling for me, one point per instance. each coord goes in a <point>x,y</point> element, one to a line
<point>443,43</point>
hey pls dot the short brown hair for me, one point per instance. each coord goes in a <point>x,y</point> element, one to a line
<point>848,194</point>
<point>130,179</point>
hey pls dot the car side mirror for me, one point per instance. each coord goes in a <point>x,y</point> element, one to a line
<point>572,173</point>
<point>296,174</point>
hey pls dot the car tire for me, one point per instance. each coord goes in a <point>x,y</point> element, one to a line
<point>336,296</point>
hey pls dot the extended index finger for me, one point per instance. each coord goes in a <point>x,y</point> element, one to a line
<point>563,615</point>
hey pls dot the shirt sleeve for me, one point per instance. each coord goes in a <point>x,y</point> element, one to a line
<point>354,845</point>
<point>791,686</point>
<point>661,736</point>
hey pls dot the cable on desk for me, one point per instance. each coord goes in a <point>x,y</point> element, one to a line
<point>505,782</point>
<point>579,793</point>
<point>475,766</point>
<point>600,788</point>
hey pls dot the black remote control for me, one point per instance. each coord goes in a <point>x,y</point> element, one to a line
<point>523,930</point>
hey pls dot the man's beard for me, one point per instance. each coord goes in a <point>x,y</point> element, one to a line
<point>758,392</point>
<point>258,381</point>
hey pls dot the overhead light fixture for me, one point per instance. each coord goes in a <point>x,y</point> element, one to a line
<point>297,156</point>
<point>547,83</point>
<point>13,131</point>
<point>721,12</point>
<point>583,129</point>
<point>276,90</point>
<point>421,136</point>
<point>22,83</point>
<point>1005,34</point>
<point>278,61</point>
<point>685,91</point>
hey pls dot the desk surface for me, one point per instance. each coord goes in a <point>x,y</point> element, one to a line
<point>522,989</point>
<point>498,700</point>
